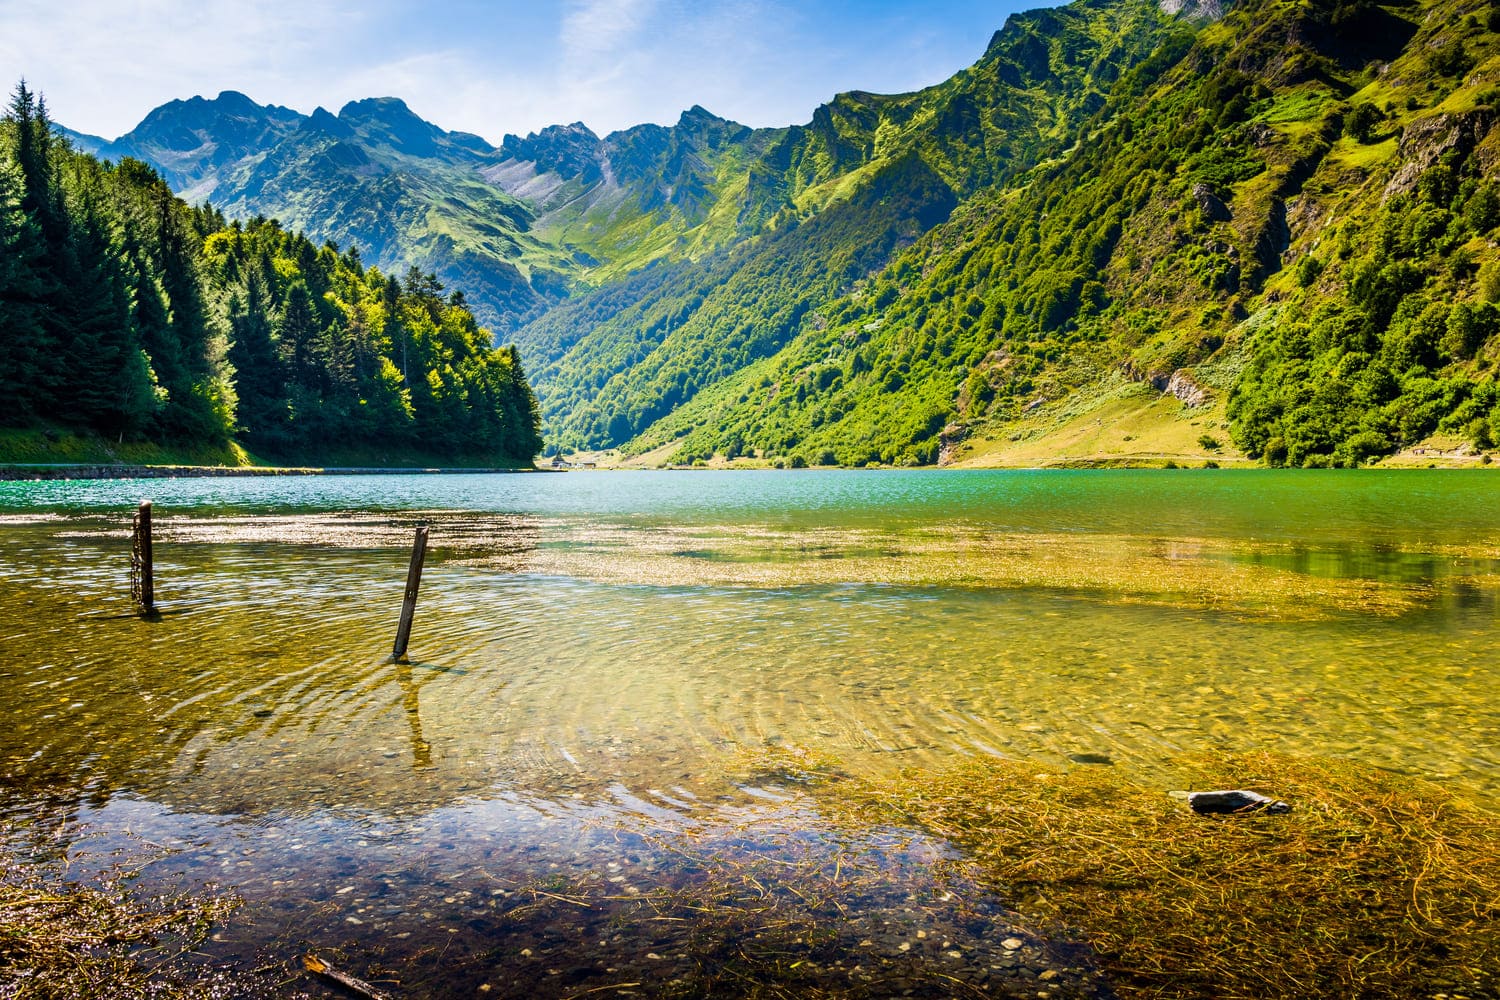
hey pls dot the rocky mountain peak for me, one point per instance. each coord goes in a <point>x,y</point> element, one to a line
<point>566,150</point>
<point>388,121</point>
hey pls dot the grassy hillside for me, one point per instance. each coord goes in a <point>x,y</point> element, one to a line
<point>1286,218</point>
<point>846,186</point>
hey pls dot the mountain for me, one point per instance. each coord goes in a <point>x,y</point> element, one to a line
<point>191,142</point>
<point>827,206</point>
<point>1275,231</point>
<point>128,316</point>
<point>1266,227</point>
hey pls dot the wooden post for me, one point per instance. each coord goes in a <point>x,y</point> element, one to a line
<point>142,585</point>
<point>413,581</point>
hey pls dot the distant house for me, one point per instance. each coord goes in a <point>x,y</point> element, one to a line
<point>558,462</point>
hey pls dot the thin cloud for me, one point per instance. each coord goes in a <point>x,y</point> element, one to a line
<point>103,64</point>
<point>488,66</point>
<point>592,28</point>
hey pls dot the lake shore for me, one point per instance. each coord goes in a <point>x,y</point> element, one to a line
<point>54,472</point>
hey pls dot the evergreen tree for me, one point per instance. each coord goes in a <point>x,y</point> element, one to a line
<point>259,377</point>
<point>23,285</point>
<point>109,384</point>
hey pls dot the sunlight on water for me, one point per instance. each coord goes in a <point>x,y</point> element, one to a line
<point>593,650</point>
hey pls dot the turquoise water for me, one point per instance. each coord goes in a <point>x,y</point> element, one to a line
<point>598,652</point>
<point>1341,507</point>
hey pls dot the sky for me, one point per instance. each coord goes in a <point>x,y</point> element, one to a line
<point>488,67</point>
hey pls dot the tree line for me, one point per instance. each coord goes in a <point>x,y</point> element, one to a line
<point>130,315</point>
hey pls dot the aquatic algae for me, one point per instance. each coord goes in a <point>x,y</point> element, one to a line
<point>1375,884</point>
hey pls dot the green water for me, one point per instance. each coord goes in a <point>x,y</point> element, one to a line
<point>599,651</point>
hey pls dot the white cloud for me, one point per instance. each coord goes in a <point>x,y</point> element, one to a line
<point>102,64</point>
<point>592,28</point>
<point>485,66</point>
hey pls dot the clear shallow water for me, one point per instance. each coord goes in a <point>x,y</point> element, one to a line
<point>606,652</point>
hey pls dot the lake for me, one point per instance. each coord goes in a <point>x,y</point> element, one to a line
<point>609,672</point>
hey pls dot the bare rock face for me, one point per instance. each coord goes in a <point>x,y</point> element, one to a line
<point>1179,384</point>
<point>1210,204</point>
<point>1193,10</point>
<point>1427,140</point>
<point>1182,385</point>
<point>951,438</point>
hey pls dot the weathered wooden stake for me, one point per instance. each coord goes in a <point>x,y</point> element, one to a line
<point>413,581</point>
<point>142,585</point>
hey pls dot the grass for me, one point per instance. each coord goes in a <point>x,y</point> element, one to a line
<point>51,445</point>
<point>1107,426</point>
<point>1296,107</point>
<point>1376,885</point>
<point>1350,154</point>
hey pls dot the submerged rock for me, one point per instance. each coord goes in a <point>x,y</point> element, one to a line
<point>1091,758</point>
<point>1234,800</point>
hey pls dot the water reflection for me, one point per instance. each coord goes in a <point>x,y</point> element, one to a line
<point>421,750</point>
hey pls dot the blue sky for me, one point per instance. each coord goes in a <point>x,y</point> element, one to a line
<point>489,68</point>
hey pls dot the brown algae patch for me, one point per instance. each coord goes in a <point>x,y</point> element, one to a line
<point>1374,885</point>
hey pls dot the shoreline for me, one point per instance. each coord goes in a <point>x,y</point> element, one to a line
<point>20,472</point>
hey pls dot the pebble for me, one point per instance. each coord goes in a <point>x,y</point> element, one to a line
<point>1011,943</point>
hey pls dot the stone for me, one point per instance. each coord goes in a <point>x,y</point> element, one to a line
<point>1233,801</point>
<point>1210,204</point>
<point>1091,758</point>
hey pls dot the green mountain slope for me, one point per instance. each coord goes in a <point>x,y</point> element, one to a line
<point>826,208</point>
<point>1293,209</point>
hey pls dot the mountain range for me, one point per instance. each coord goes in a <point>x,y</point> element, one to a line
<point>1271,226</point>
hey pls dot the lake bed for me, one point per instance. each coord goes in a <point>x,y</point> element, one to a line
<point>613,669</point>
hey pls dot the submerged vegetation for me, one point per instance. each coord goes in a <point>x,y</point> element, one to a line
<point>1374,885</point>
<point>66,939</point>
<point>1084,880</point>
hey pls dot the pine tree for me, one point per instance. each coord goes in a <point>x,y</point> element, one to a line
<point>259,377</point>
<point>23,286</point>
<point>109,385</point>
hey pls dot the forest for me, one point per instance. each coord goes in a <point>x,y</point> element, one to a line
<point>131,316</point>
